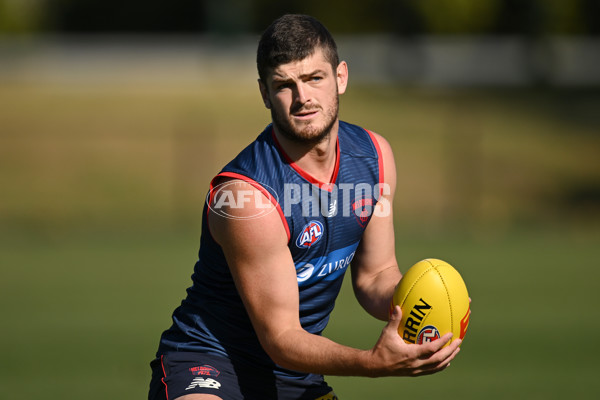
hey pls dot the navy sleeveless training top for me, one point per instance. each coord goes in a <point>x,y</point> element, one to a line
<point>324,223</point>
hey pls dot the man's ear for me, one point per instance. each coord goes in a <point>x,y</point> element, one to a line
<point>264,93</point>
<point>342,77</point>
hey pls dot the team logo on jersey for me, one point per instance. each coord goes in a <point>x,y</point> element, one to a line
<point>428,334</point>
<point>362,210</point>
<point>205,370</point>
<point>310,234</point>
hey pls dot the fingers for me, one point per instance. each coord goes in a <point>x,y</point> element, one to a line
<point>429,349</point>
<point>436,358</point>
<point>439,343</point>
<point>446,354</point>
<point>403,359</point>
<point>441,353</point>
<point>433,367</point>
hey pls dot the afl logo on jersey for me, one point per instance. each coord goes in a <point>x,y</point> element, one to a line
<point>311,234</point>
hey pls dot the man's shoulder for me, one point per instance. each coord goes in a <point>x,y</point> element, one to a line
<point>356,140</point>
<point>346,126</point>
<point>257,155</point>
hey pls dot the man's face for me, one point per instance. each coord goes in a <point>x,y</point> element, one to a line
<point>303,97</point>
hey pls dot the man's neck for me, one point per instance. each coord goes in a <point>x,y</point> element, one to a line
<point>318,160</point>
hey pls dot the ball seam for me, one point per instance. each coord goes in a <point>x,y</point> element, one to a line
<point>448,295</point>
<point>414,283</point>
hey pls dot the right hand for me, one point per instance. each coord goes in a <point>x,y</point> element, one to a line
<point>391,356</point>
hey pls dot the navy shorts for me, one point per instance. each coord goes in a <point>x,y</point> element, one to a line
<point>176,374</point>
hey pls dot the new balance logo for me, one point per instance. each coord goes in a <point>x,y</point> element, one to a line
<point>203,383</point>
<point>332,209</point>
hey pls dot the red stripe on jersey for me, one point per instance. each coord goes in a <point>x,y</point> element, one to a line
<point>379,161</point>
<point>258,186</point>
<point>306,175</point>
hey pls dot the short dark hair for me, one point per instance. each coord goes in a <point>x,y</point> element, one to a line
<point>293,37</point>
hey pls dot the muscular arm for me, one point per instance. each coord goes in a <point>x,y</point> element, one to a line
<point>264,273</point>
<point>265,276</point>
<point>375,271</point>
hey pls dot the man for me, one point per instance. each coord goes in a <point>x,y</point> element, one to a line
<point>281,224</point>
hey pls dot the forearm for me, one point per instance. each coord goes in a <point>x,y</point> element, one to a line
<point>302,351</point>
<point>374,294</point>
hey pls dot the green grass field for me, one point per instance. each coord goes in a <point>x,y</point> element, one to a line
<point>99,221</point>
<point>83,316</point>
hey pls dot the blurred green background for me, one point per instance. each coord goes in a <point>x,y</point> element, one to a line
<point>104,167</point>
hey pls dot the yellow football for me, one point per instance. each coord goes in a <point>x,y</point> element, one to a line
<point>434,301</point>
